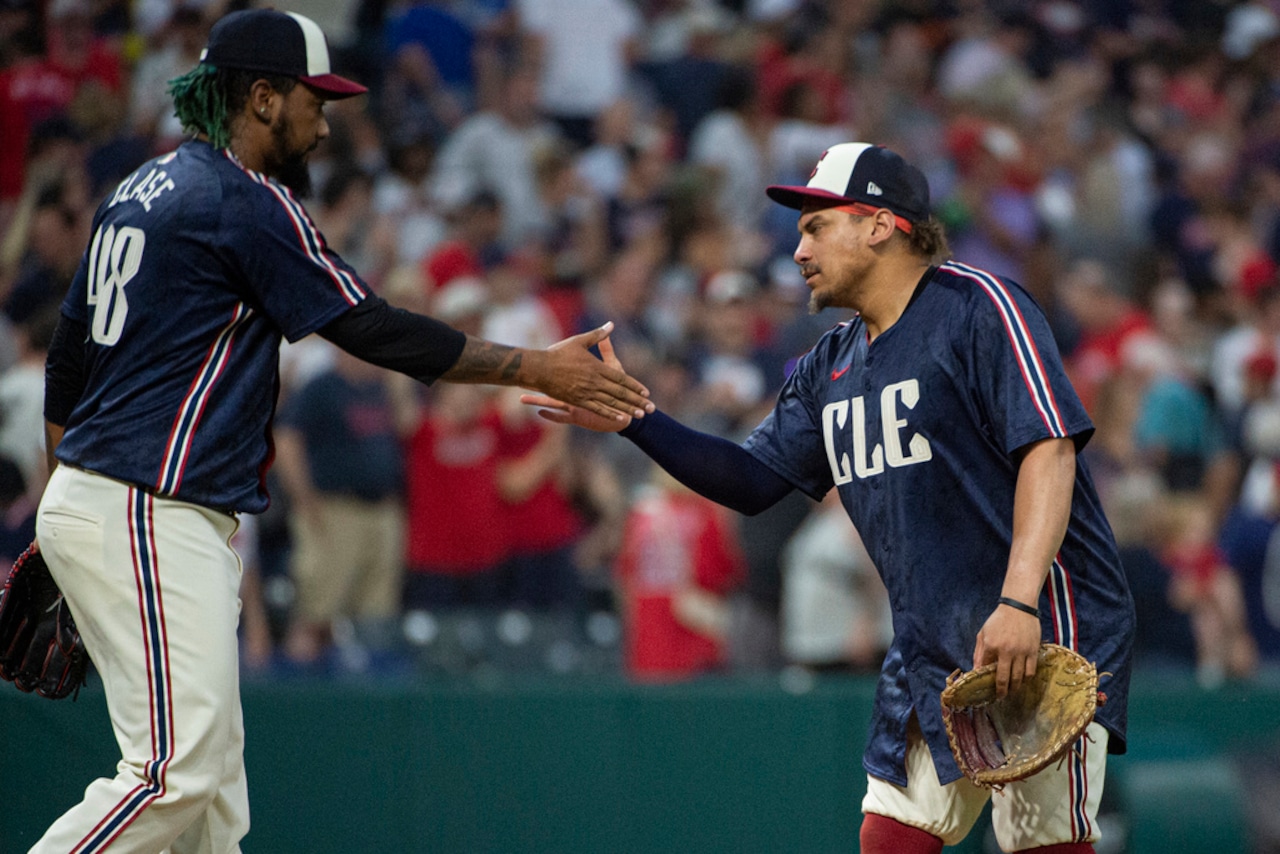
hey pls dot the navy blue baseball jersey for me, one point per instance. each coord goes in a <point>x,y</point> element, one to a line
<point>196,268</point>
<point>918,430</point>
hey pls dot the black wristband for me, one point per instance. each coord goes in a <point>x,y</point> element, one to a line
<point>1021,606</point>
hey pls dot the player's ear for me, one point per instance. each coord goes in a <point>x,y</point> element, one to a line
<point>261,100</point>
<point>884,227</point>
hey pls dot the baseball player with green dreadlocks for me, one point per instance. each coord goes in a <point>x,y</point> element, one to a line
<point>160,395</point>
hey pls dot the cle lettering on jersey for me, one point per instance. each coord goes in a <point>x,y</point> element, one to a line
<point>144,190</point>
<point>890,451</point>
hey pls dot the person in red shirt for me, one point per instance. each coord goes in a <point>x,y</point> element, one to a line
<point>1109,324</point>
<point>39,88</point>
<point>541,521</point>
<point>1205,586</point>
<point>471,244</point>
<point>456,532</point>
<point>679,559</point>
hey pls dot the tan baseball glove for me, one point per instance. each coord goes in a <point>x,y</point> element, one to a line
<point>997,740</point>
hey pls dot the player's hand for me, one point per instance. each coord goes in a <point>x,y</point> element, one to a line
<point>575,378</point>
<point>560,412</point>
<point>1011,640</point>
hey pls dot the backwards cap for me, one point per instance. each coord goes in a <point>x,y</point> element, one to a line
<point>279,43</point>
<point>861,173</point>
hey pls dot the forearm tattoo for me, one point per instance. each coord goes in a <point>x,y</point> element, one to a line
<point>485,361</point>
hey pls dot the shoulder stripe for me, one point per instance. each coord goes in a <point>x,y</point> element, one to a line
<point>1024,346</point>
<point>309,237</point>
<point>191,410</point>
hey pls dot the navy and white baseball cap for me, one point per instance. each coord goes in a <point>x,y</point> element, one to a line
<point>859,173</point>
<point>279,43</point>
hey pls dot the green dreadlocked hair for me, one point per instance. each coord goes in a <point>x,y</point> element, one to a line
<point>206,98</point>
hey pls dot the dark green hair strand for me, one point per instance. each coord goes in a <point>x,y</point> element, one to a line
<point>206,98</point>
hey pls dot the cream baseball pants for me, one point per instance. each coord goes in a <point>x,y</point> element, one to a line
<point>154,587</point>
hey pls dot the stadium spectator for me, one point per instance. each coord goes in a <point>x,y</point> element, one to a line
<point>22,400</point>
<point>55,238</point>
<point>583,50</point>
<point>679,559</point>
<point>729,144</point>
<point>17,512</point>
<point>175,48</point>
<point>496,149</point>
<point>1204,586</point>
<point>543,526</point>
<point>471,243</point>
<point>835,611</point>
<point>428,84</point>
<point>456,537</point>
<point>340,461</point>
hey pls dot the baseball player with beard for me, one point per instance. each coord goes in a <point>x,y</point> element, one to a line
<point>161,386</point>
<point>942,415</point>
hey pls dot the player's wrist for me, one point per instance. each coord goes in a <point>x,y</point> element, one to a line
<point>1019,605</point>
<point>527,368</point>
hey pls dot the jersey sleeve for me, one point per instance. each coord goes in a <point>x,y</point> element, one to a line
<point>289,269</point>
<point>789,439</point>
<point>1017,370</point>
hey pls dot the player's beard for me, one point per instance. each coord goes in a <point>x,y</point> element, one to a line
<point>819,298</point>
<point>286,165</point>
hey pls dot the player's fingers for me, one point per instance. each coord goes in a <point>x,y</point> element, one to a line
<point>610,358</point>
<point>607,353</point>
<point>978,651</point>
<point>613,413</point>
<point>1016,669</point>
<point>592,337</point>
<point>555,416</point>
<point>1002,677</point>
<point>632,391</point>
<point>622,398</point>
<point>541,400</point>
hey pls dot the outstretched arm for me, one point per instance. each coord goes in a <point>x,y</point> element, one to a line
<point>566,371</point>
<point>427,350</point>
<point>711,466</point>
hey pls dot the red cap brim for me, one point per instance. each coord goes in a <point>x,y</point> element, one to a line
<point>334,87</point>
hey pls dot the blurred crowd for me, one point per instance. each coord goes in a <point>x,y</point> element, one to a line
<point>525,169</point>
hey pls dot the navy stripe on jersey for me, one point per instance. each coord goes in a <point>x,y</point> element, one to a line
<point>1023,344</point>
<point>156,644</point>
<point>308,235</point>
<point>1062,606</point>
<point>189,413</point>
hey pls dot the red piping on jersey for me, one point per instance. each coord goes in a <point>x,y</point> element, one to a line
<point>1062,602</point>
<point>1017,332</point>
<point>184,427</point>
<point>309,237</point>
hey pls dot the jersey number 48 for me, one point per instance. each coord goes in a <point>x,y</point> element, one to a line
<point>114,259</point>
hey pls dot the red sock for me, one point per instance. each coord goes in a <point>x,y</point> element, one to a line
<point>1063,848</point>
<point>881,835</point>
